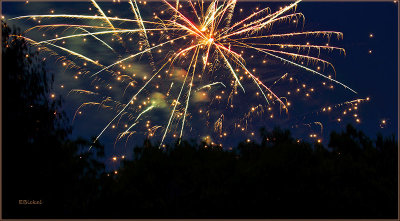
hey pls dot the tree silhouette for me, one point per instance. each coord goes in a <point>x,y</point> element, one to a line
<point>279,178</point>
<point>40,162</point>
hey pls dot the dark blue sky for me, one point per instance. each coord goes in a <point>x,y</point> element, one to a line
<point>372,74</point>
<point>375,74</point>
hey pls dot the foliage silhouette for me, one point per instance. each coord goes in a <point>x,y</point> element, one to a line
<point>279,178</point>
<point>39,160</point>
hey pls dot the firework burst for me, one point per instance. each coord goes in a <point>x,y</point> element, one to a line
<point>200,58</point>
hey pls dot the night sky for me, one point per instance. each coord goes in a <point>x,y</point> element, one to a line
<point>369,67</point>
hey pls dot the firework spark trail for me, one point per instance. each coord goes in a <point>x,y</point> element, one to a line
<point>190,90</point>
<point>293,55</point>
<point>67,26</point>
<point>83,105</point>
<point>135,122</point>
<point>286,35</point>
<point>256,26</point>
<point>186,107</point>
<point>298,46</point>
<point>96,33</point>
<point>123,109</point>
<point>306,68</point>
<point>81,91</point>
<point>231,69</point>
<point>194,10</point>
<point>102,14</point>
<point>279,79</point>
<point>177,99</point>
<point>105,18</point>
<point>218,124</point>
<point>209,85</point>
<point>330,108</point>
<point>355,101</point>
<point>64,49</point>
<point>321,125</point>
<point>261,25</point>
<point>138,17</point>
<point>173,111</point>
<point>246,19</point>
<point>258,109</point>
<point>229,16</point>
<point>95,37</point>
<point>219,14</point>
<point>81,27</point>
<point>258,83</point>
<point>135,55</point>
<point>89,17</point>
